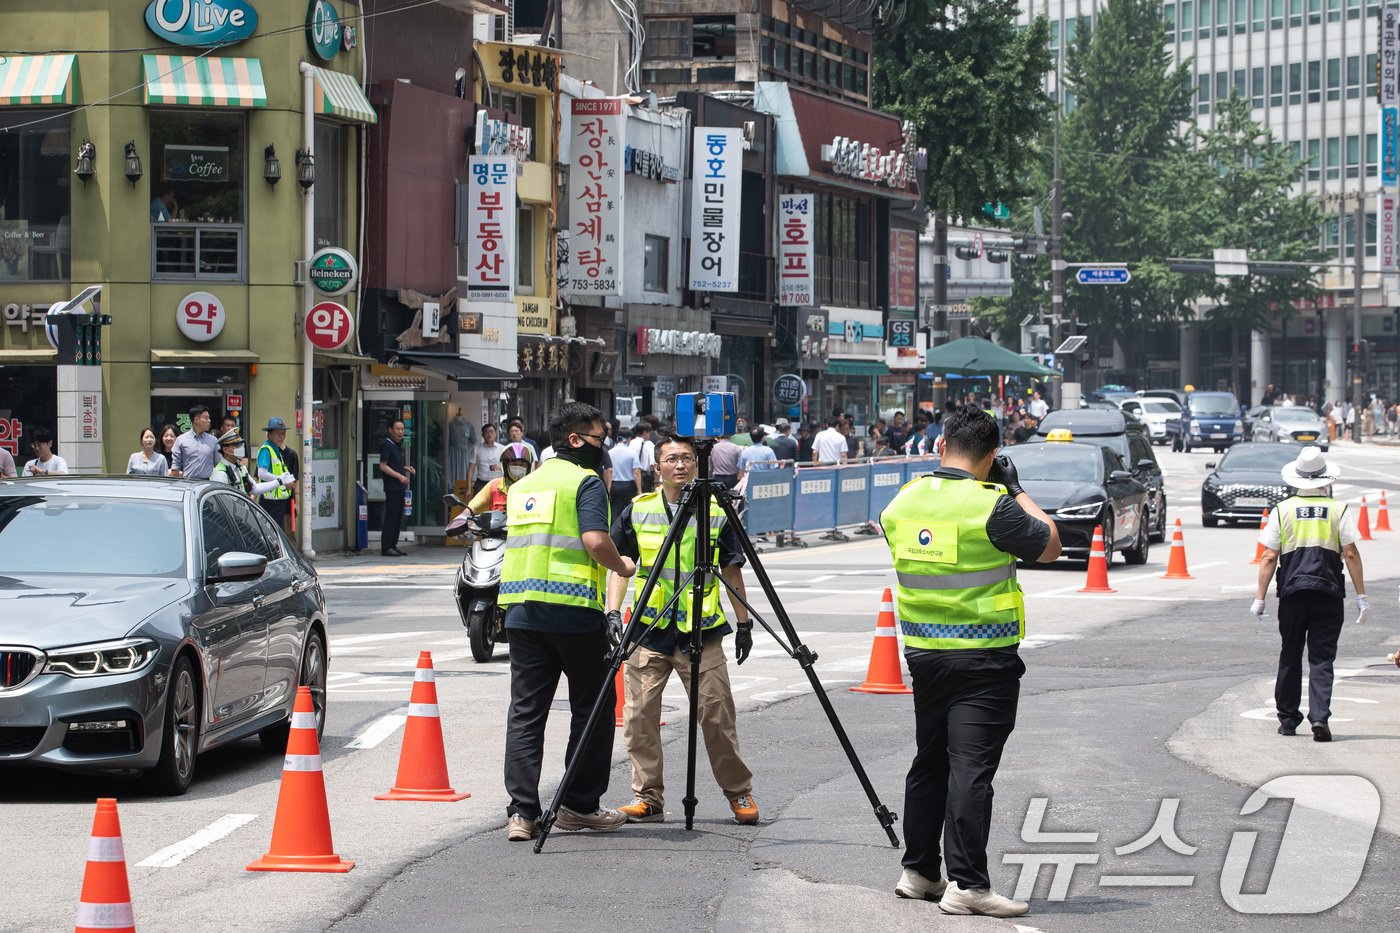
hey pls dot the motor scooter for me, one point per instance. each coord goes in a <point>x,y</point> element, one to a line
<point>479,577</point>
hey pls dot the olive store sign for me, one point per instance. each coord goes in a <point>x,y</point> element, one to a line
<point>202,22</point>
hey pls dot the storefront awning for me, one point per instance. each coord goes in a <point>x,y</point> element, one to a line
<point>469,374</point>
<point>204,81</point>
<point>340,95</point>
<point>46,355</point>
<point>36,79</point>
<point>206,357</point>
<point>339,358</point>
<point>856,368</point>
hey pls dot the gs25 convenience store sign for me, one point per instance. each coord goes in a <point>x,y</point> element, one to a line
<point>202,22</point>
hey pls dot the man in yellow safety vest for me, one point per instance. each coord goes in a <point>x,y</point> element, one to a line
<point>955,538</point>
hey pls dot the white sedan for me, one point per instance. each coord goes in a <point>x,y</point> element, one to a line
<point>1153,412</point>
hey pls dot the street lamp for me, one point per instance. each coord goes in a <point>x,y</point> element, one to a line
<point>272,166</point>
<point>87,155</point>
<point>306,168</point>
<point>133,164</point>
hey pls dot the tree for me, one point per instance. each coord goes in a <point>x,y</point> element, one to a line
<point>971,85</point>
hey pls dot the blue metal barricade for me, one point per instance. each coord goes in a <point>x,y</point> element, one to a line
<point>886,476</point>
<point>815,505</point>
<point>770,501</point>
<point>853,495</point>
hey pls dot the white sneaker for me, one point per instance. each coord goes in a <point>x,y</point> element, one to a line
<point>916,886</point>
<point>984,901</point>
<point>521,829</point>
<point>603,820</point>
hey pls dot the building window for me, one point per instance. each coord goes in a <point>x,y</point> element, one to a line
<point>197,180</point>
<point>780,56</point>
<point>655,263</point>
<point>1314,81</point>
<point>1334,157</point>
<point>1334,11</point>
<point>1295,83</point>
<point>1203,94</point>
<point>667,38</point>
<point>524,108</point>
<point>713,37</point>
<point>36,179</point>
<point>1314,159</point>
<point>1258,17</point>
<point>1295,12</point>
<point>666,75</point>
<point>1353,77</point>
<point>1188,12</point>
<point>1371,76</point>
<point>1275,14</point>
<point>1334,79</point>
<point>1353,156</point>
<point>1275,85</point>
<point>1169,17</point>
<point>330,184</point>
<point>1314,11</point>
<point>1370,154</point>
<point>525,251</point>
<point>1256,87</point>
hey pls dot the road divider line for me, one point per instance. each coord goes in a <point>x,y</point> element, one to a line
<point>173,855</point>
<point>342,641</point>
<point>378,731</point>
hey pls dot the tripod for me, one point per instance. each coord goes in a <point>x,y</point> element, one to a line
<point>695,501</point>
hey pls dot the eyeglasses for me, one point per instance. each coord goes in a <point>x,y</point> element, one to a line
<point>597,437</point>
<point>678,461</point>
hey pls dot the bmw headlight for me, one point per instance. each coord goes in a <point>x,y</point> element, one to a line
<point>1087,510</point>
<point>109,657</point>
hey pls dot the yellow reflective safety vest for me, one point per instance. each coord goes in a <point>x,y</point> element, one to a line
<point>650,523</point>
<point>1310,549</point>
<point>955,588</point>
<point>545,560</point>
<point>277,469</point>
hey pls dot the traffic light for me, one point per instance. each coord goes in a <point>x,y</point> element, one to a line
<point>966,252</point>
<point>1191,267</point>
<point>1361,356</point>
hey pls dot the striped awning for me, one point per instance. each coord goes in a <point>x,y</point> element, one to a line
<point>204,81</point>
<point>340,95</point>
<point>36,79</point>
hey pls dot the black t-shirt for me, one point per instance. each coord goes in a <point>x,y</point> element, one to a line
<point>784,446</point>
<point>666,640</point>
<point>592,505</point>
<point>391,455</point>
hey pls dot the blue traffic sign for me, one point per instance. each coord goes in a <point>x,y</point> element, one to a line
<point>1111,275</point>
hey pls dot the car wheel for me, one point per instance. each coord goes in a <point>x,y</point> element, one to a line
<point>1210,521</point>
<point>1138,553</point>
<point>1160,532</point>
<point>312,675</point>
<point>179,742</point>
<point>1108,527</point>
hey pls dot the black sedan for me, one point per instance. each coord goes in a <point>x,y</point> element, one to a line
<point>143,621</point>
<point>1081,485</point>
<point>1245,482</point>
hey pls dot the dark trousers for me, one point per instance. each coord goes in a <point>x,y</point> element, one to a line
<point>280,511</point>
<point>964,710</point>
<point>536,661</point>
<point>393,520</point>
<point>621,496</point>
<point>1312,619</point>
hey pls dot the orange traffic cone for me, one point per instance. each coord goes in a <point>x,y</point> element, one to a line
<point>105,904</point>
<point>1383,515</point>
<point>301,832</point>
<point>884,674</point>
<point>619,684</point>
<point>1363,522</point>
<point>1176,564</point>
<point>1097,579</point>
<point>423,759</point>
<point>1259,545</point>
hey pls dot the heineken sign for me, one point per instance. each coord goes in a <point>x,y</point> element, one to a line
<point>332,272</point>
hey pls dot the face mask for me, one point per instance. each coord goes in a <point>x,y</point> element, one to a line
<point>587,456</point>
<point>514,473</point>
<point>240,452</point>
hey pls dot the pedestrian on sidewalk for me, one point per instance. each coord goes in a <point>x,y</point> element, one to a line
<point>273,467</point>
<point>955,537</point>
<point>396,472</point>
<point>558,553</point>
<point>638,533</point>
<point>195,451</point>
<point>1308,538</point>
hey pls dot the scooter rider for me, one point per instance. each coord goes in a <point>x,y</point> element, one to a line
<point>517,460</point>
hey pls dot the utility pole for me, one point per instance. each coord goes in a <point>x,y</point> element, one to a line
<point>940,295</point>
<point>1057,256</point>
<point>1358,242</point>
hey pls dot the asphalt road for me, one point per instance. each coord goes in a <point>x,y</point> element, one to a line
<point>1157,692</point>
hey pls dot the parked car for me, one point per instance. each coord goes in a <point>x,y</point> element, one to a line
<point>1080,485</point>
<point>1250,417</point>
<point>1153,412</point>
<point>1112,393</point>
<point>1176,395</point>
<point>144,621</point>
<point>1129,439</point>
<point>1291,425</point>
<point>1208,419</point>
<point>1244,483</point>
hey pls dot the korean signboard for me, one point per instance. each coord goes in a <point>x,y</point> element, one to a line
<point>796,280</point>
<point>487,332</point>
<point>491,228</point>
<point>1388,230</point>
<point>904,270</point>
<point>1390,146</point>
<point>1389,63</point>
<point>596,177</point>
<point>714,209</point>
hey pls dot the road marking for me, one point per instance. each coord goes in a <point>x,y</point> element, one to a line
<point>342,641</point>
<point>173,855</point>
<point>1115,580</point>
<point>378,731</point>
<point>1267,713</point>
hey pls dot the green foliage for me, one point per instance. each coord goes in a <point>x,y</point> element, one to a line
<point>971,84</point>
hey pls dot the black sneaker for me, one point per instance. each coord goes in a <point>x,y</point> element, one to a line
<point>1321,733</point>
<point>1287,730</point>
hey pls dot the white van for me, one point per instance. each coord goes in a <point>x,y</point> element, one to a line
<point>626,408</point>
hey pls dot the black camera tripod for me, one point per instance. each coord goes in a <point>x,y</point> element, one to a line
<point>695,502</point>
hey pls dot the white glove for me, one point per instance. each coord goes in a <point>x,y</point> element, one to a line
<point>287,479</point>
<point>1256,609</point>
<point>1365,608</point>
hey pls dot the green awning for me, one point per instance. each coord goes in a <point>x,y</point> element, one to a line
<point>204,81</point>
<point>857,368</point>
<point>36,79</point>
<point>340,95</point>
